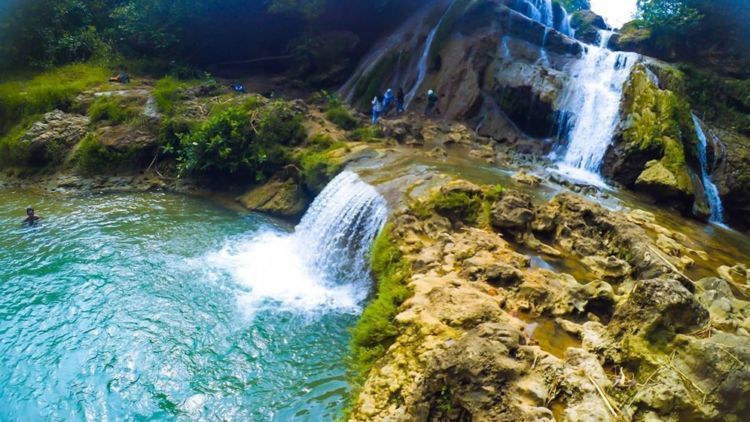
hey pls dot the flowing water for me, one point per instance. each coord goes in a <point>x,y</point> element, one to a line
<point>712,192</point>
<point>591,106</point>
<point>157,306</point>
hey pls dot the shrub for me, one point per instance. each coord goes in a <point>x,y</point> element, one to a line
<point>237,142</point>
<point>318,169</point>
<point>115,109</point>
<point>342,118</point>
<point>51,90</point>
<point>376,329</point>
<point>93,157</point>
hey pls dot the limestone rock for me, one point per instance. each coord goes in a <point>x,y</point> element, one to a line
<point>610,268</point>
<point>528,179</point>
<point>513,212</point>
<point>281,196</point>
<point>53,136</point>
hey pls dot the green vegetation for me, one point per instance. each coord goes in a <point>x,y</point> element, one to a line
<point>660,123</point>
<point>115,109</point>
<point>93,157</point>
<point>317,164</point>
<point>167,92</point>
<point>55,89</point>
<point>376,329</point>
<point>366,134</point>
<point>342,118</point>
<point>721,100</point>
<point>14,152</point>
<point>241,141</point>
<point>460,206</point>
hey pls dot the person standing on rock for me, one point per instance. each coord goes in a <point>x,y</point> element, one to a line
<point>400,101</point>
<point>387,101</point>
<point>432,100</point>
<point>377,108</point>
<point>31,217</point>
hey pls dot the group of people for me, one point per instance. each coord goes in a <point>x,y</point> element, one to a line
<point>383,104</point>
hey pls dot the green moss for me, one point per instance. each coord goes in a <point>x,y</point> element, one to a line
<point>376,329</point>
<point>317,162</point>
<point>660,122</point>
<point>115,109</point>
<point>721,101</point>
<point>93,157</point>
<point>45,92</point>
<point>342,118</point>
<point>472,209</point>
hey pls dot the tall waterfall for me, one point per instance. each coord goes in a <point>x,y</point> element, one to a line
<point>590,106</point>
<point>322,265</point>
<point>424,59</point>
<point>712,192</point>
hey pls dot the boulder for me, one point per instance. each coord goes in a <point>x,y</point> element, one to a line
<point>51,138</point>
<point>661,306</point>
<point>524,178</point>
<point>282,196</point>
<point>587,25</point>
<point>661,182</point>
<point>513,212</point>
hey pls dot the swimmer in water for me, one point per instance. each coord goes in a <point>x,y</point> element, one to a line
<point>31,217</point>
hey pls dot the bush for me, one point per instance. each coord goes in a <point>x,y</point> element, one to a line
<point>341,117</point>
<point>239,142</point>
<point>376,329</point>
<point>55,89</point>
<point>115,109</point>
<point>318,169</point>
<point>93,157</point>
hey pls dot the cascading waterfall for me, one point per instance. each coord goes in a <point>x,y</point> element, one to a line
<point>590,107</point>
<point>564,25</point>
<point>323,264</point>
<point>540,11</point>
<point>423,60</point>
<point>712,192</point>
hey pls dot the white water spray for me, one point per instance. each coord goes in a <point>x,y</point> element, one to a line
<point>591,104</point>
<point>712,192</point>
<point>322,265</point>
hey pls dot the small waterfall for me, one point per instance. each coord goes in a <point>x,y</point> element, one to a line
<point>539,11</point>
<point>590,106</point>
<point>423,60</point>
<point>712,192</point>
<point>564,25</point>
<point>339,227</point>
<point>322,265</point>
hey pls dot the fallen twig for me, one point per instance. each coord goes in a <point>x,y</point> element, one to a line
<point>610,406</point>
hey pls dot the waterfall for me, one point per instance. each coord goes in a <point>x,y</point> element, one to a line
<point>590,106</point>
<point>540,11</point>
<point>322,265</point>
<point>564,25</point>
<point>712,192</point>
<point>423,60</point>
<point>340,226</point>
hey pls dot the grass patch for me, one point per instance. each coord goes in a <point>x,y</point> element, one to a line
<point>115,109</point>
<point>464,207</point>
<point>366,134</point>
<point>45,92</point>
<point>318,168</point>
<point>342,118</point>
<point>13,152</point>
<point>376,329</point>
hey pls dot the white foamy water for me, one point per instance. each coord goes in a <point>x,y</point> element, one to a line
<point>322,265</point>
<point>712,192</point>
<point>591,104</point>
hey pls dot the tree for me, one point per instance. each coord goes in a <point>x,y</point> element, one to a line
<point>669,15</point>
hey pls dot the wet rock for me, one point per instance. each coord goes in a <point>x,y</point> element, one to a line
<point>514,212</point>
<point>660,305</point>
<point>587,25</point>
<point>658,180</point>
<point>610,269</point>
<point>503,275</point>
<point>281,196</point>
<point>528,179</point>
<point>51,138</point>
<point>738,274</point>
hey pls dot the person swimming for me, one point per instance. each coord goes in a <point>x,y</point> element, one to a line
<point>31,217</point>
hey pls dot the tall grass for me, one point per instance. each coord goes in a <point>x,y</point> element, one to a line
<point>55,89</point>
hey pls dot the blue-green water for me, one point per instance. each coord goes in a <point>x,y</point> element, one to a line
<point>157,306</point>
